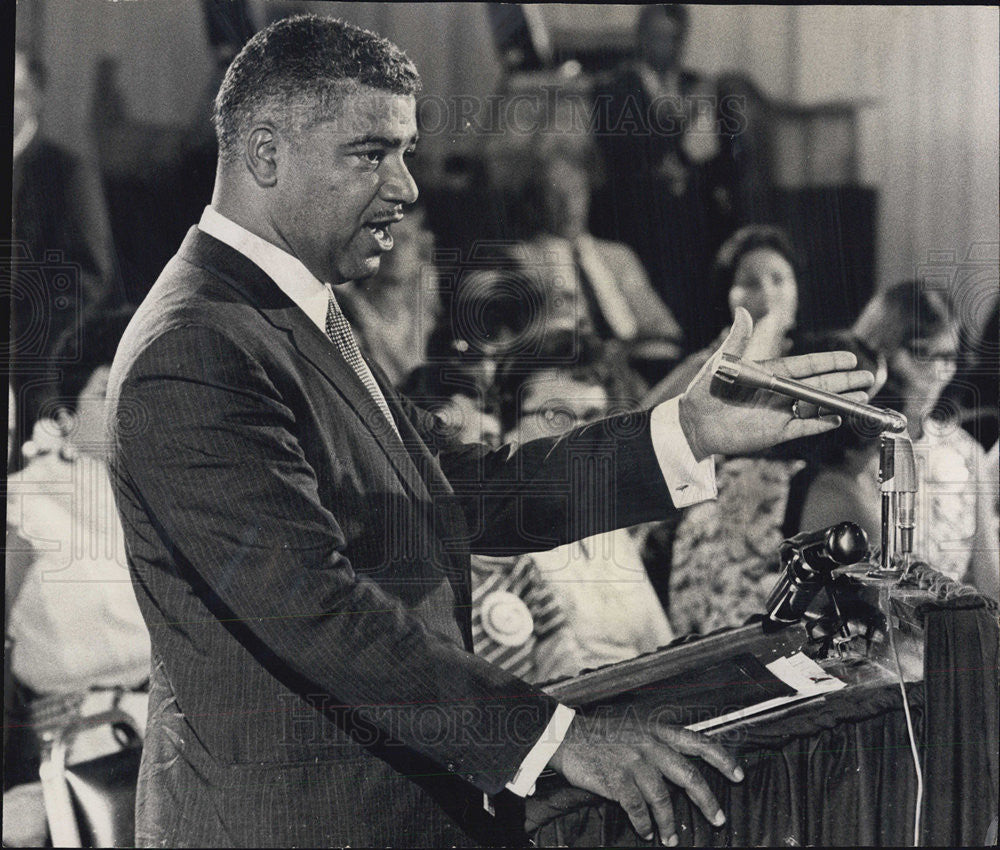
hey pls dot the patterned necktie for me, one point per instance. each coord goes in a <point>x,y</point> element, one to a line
<point>338,329</point>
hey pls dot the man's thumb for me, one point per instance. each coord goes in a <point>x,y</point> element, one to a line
<point>739,334</point>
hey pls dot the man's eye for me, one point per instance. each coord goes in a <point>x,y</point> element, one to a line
<point>374,157</point>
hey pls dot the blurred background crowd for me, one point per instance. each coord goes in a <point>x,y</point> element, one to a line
<point>601,186</point>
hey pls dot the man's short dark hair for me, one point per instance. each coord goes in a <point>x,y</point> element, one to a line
<point>79,352</point>
<point>304,61</point>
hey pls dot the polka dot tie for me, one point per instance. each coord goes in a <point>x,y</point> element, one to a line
<point>338,329</point>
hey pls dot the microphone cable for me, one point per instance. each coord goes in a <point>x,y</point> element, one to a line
<point>912,737</point>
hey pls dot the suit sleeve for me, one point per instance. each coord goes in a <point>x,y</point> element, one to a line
<point>554,490</point>
<point>211,451</point>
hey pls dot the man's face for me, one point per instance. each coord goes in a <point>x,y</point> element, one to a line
<point>343,181</point>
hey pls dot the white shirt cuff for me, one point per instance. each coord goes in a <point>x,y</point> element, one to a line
<point>523,783</point>
<point>688,480</point>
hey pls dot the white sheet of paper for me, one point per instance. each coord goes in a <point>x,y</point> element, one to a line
<point>798,671</point>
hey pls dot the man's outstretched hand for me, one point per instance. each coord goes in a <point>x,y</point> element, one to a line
<point>721,418</point>
<point>631,765</point>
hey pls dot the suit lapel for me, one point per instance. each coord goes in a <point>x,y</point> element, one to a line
<point>250,281</point>
<point>449,520</point>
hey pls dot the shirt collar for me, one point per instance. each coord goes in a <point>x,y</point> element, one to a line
<point>309,294</point>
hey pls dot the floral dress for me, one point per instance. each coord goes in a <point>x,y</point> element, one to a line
<point>950,467</point>
<point>725,556</point>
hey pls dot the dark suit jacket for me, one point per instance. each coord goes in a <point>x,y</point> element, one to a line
<point>305,575</point>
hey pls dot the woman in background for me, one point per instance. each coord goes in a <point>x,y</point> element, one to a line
<point>714,564</point>
<point>756,266</point>
<point>913,329</point>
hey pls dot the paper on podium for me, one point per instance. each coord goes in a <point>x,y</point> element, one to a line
<point>799,672</point>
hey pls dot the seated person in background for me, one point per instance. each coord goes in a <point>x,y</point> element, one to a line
<point>602,608</point>
<point>79,643</point>
<point>721,556</point>
<point>724,559</point>
<point>456,384</point>
<point>756,267</point>
<point>481,321</point>
<point>588,284</point>
<point>59,218</point>
<point>395,311</point>
<point>913,328</point>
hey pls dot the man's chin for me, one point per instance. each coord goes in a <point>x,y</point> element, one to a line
<point>362,270</point>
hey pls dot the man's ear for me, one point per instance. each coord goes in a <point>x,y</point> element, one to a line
<point>261,154</point>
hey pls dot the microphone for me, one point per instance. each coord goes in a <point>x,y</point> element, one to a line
<point>807,560</point>
<point>734,370</point>
<point>897,474</point>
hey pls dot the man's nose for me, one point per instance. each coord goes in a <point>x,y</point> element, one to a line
<point>399,185</point>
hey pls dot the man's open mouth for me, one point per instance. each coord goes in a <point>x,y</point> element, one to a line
<point>381,232</point>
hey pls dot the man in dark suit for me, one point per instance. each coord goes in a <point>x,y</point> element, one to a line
<point>667,139</point>
<point>299,535</point>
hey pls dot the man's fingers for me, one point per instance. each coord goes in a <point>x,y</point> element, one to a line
<point>633,800</point>
<point>841,382</point>
<point>811,427</point>
<point>805,410</point>
<point>684,773</point>
<point>654,789</point>
<point>695,744</point>
<point>817,363</point>
<point>739,334</point>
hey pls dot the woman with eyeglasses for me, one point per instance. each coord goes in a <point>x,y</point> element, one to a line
<point>911,329</point>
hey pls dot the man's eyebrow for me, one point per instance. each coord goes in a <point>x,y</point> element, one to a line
<point>383,141</point>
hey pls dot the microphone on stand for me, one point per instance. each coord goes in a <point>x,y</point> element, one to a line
<point>807,560</point>
<point>897,469</point>
<point>897,475</point>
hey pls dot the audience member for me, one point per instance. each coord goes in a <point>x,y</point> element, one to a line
<point>62,256</point>
<point>913,327</point>
<point>756,268</point>
<point>78,641</point>
<point>395,312</point>
<point>604,609</point>
<point>591,285</point>
<point>667,150</point>
<point>725,554</point>
<point>975,389</point>
<point>718,560</point>
<point>456,384</point>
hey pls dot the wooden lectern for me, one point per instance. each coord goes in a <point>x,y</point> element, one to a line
<point>834,769</point>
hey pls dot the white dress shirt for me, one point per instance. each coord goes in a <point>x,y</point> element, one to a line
<point>688,480</point>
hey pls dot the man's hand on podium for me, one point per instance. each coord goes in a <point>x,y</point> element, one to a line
<point>631,763</point>
<point>720,418</point>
